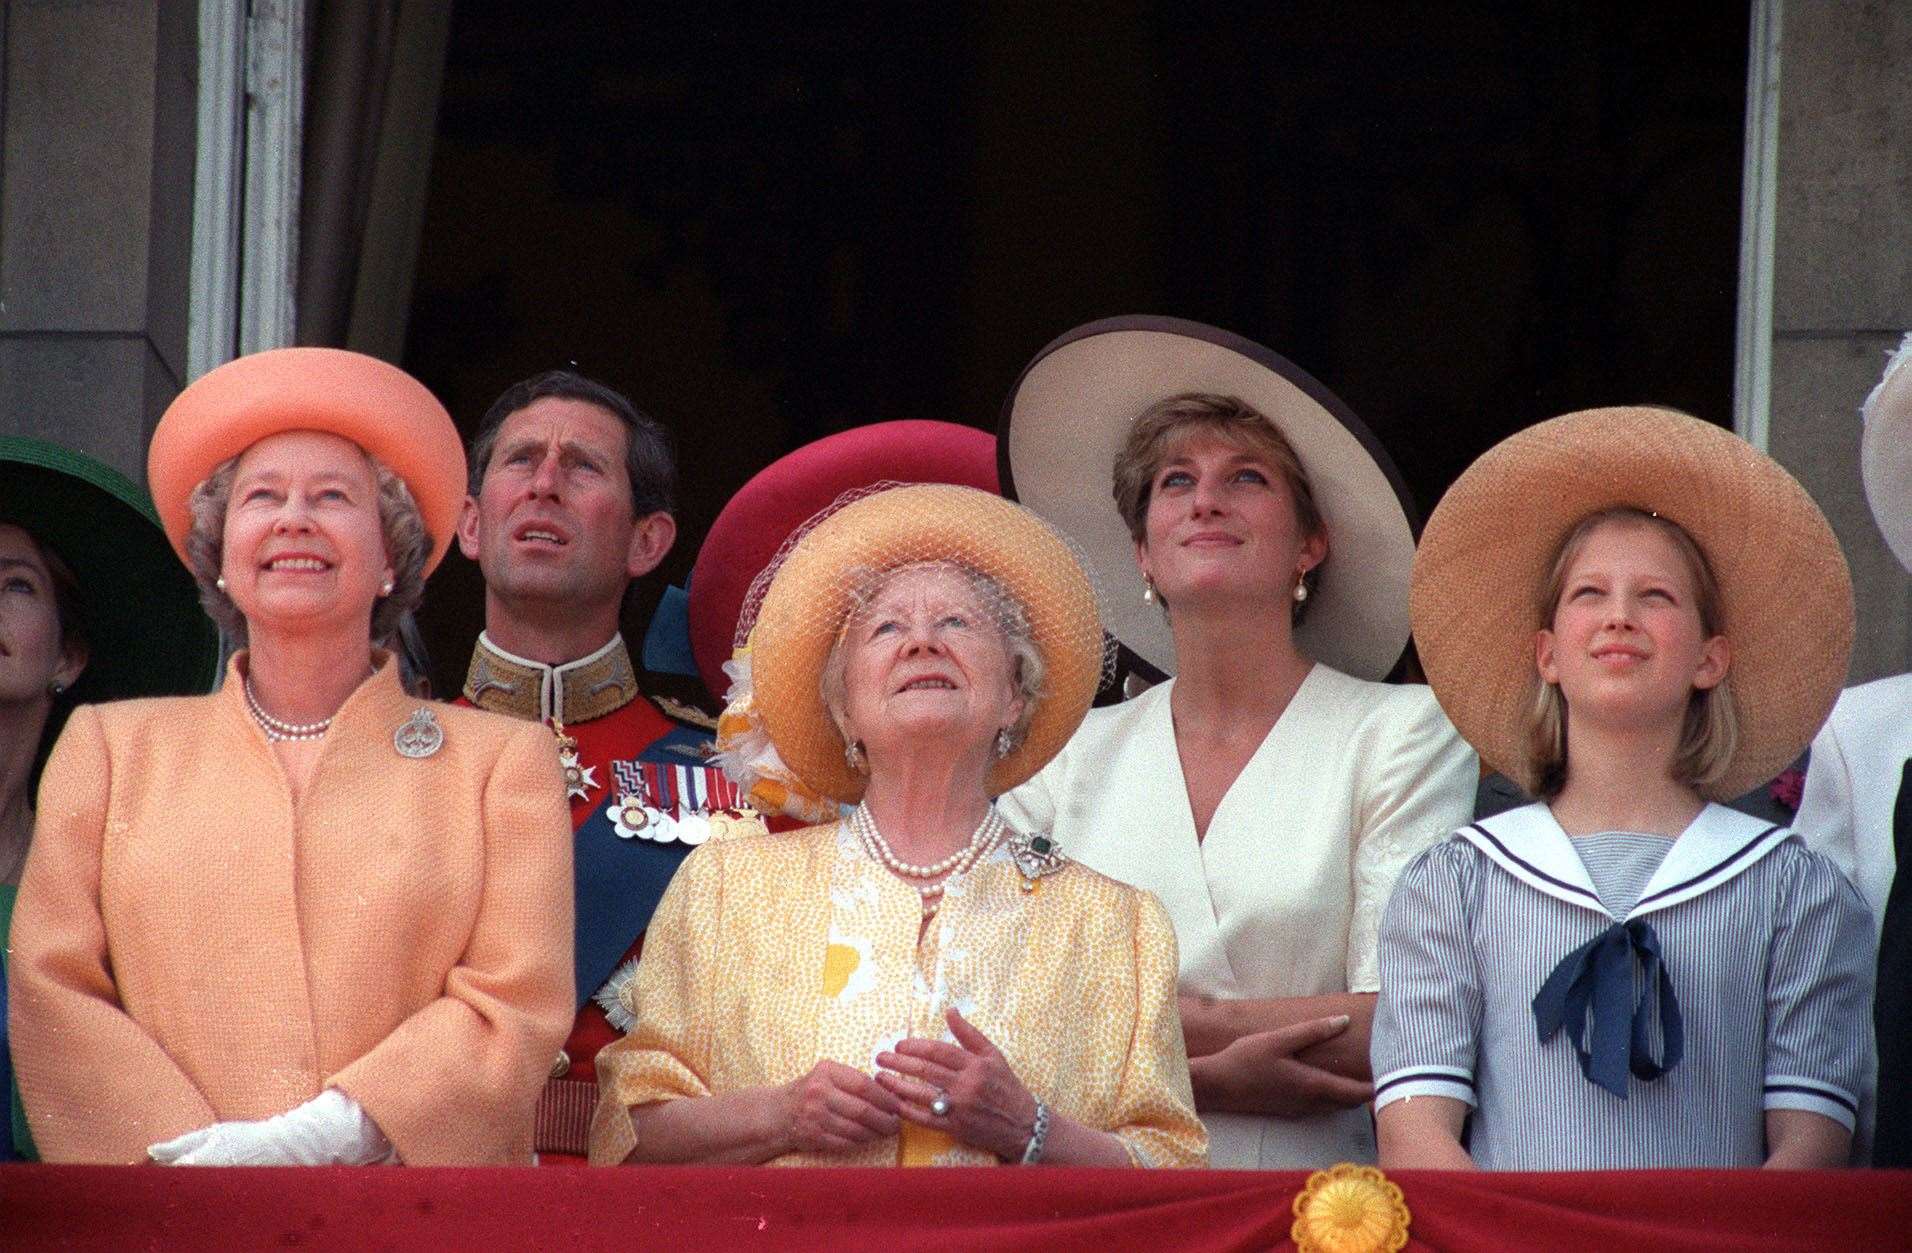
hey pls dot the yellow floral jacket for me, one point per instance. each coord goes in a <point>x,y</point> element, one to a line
<point>772,952</point>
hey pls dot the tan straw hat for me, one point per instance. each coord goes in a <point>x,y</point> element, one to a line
<point>811,590</point>
<point>1068,417</point>
<point>1786,594</point>
<point>1885,453</point>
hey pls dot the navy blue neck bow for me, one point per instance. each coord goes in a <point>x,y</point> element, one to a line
<point>1600,974</point>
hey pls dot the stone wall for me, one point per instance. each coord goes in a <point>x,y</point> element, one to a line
<point>1842,276</point>
<point>96,183</point>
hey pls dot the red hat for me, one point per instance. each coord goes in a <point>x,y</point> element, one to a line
<point>792,490</point>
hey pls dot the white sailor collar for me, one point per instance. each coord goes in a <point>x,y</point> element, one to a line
<point>1715,848</point>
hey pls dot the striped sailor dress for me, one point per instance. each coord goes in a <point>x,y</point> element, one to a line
<point>1739,981</point>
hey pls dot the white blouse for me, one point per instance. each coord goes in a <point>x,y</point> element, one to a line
<point>1852,784</point>
<point>1283,897</point>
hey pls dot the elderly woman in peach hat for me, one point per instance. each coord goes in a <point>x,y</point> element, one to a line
<point>308,919</point>
<point>917,983</point>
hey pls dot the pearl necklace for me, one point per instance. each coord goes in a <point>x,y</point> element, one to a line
<point>275,729</point>
<point>863,824</point>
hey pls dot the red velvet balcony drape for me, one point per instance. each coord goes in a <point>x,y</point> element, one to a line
<point>1104,1211</point>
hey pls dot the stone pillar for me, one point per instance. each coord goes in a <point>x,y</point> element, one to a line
<point>96,201</point>
<point>1841,274</point>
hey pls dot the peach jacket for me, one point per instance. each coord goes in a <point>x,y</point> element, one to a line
<point>191,946</point>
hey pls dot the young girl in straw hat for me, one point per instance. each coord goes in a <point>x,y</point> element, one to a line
<point>1634,614</point>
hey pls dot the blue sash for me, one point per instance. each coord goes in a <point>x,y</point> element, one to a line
<point>619,882</point>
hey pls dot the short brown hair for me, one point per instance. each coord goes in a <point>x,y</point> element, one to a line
<point>650,467</point>
<point>1162,427</point>
<point>1710,734</point>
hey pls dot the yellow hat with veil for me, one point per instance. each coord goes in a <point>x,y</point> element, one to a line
<point>778,729</point>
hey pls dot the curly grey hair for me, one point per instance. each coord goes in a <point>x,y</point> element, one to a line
<point>1027,668</point>
<point>407,545</point>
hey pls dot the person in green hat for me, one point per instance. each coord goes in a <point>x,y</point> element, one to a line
<point>92,607</point>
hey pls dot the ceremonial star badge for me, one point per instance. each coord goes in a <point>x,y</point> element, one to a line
<point>578,780</point>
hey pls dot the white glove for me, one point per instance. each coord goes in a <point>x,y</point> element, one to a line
<point>331,1129</point>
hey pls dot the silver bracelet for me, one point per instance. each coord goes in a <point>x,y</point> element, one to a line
<point>1037,1134</point>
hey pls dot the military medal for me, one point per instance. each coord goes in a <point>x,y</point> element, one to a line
<point>668,804</point>
<point>693,814</point>
<point>418,736</point>
<point>663,803</point>
<point>745,820</point>
<point>578,779</point>
<point>629,814</point>
<point>730,814</point>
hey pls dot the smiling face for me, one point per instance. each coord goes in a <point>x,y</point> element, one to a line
<point>1627,645</point>
<point>303,544</point>
<point>1221,526</point>
<point>925,660</point>
<point>552,520</point>
<point>31,652</point>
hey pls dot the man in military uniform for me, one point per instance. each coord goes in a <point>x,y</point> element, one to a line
<point>571,498</point>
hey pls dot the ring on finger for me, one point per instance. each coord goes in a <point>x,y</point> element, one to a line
<point>940,1106</point>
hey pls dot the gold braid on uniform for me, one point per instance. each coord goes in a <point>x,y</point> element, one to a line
<point>577,691</point>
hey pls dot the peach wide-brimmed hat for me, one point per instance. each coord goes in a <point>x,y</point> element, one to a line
<point>377,406</point>
<point>809,591</point>
<point>1786,595</point>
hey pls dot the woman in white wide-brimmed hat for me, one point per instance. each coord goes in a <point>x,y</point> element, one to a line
<point>1258,551</point>
<point>1634,615</point>
<point>1857,806</point>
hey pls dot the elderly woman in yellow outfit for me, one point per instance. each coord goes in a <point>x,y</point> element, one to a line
<point>918,983</point>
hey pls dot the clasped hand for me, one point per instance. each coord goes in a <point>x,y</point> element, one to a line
<point>834,1108</point>
<point>331,1129</point>
<point>988,1107</point>
<point>1261,1074</point>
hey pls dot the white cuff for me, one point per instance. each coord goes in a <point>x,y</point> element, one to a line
<point>1815,1096</point>
<point>1452,1082</point>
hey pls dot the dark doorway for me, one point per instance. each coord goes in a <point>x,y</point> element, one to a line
<point>767,223</point>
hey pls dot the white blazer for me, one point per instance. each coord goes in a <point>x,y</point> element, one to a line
<point>1283,897</point>
<point>1852,785</point>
